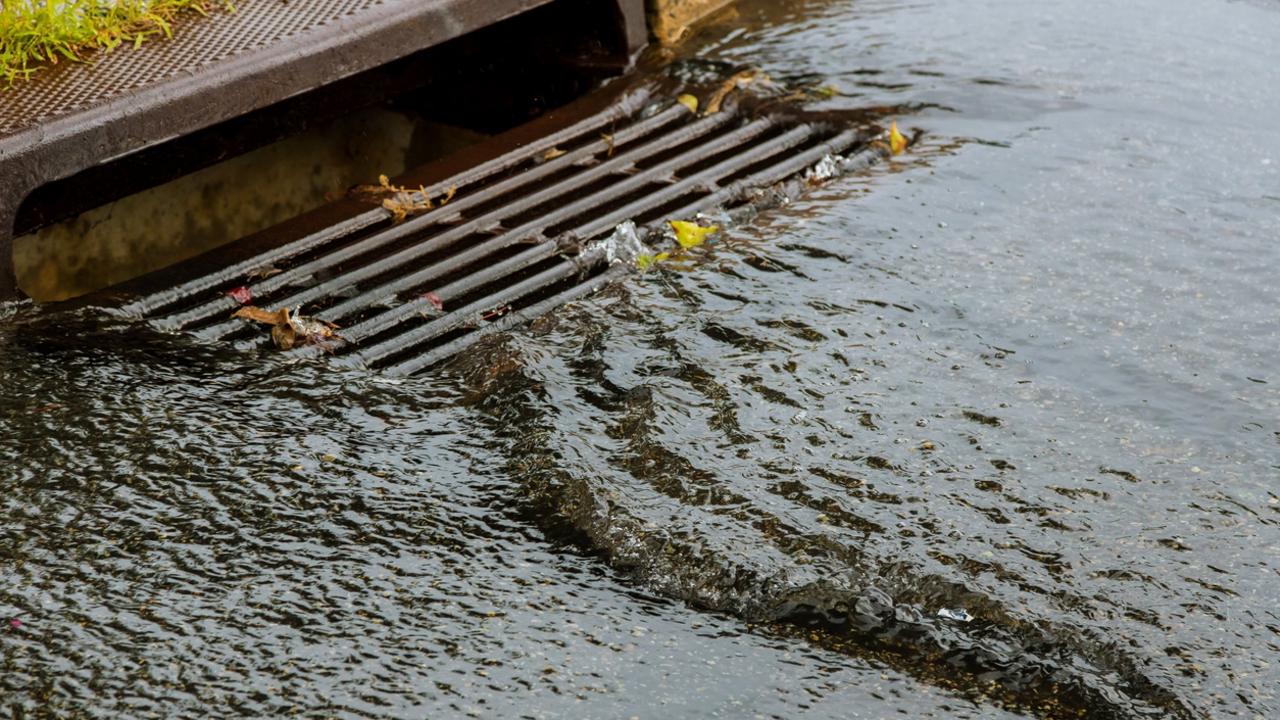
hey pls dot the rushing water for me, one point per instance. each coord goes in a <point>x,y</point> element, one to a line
<point>991,432</point>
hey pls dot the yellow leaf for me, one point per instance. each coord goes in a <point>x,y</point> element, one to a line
<point>897,142</point>
<point>691,234</point>
<point>688,101</point>
<point>552,154</point>
<point>661,256</point>
<point>644,262</point>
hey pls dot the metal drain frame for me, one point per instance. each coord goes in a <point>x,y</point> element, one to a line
<point>514,243</point>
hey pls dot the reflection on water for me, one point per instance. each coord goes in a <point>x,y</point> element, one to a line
<point>992,432</point>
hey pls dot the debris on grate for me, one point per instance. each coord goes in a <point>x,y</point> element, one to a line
<point>554,220</point>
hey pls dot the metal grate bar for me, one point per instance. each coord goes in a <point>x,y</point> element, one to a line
<point>452,291</point>
<point>506,322</point>
<point>517,244</point>
<point>787,141</point>
<point>385,321</point>
<point>770,175</point>
<point>302,272</point>
<point>572,158</point>
<point>522,233</point>
<point>775,173</point>
<point>469,314</point>
<point>147,305</point>
<point>530,229</point>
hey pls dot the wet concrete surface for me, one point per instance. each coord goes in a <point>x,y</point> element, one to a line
<point>990,432</point>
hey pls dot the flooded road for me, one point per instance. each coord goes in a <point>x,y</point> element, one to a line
<point>991,432</point>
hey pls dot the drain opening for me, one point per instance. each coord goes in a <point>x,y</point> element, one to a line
<point>170,202</point>
<point>520,237</point>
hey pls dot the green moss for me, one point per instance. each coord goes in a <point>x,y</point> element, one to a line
<point>36,33</point>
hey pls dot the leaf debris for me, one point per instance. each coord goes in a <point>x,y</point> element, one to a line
<point>399,200</point>
<point>691,234</point>
<point>434,299</point>
<point>241,294</point>
<point>897,142</point>
<point>746,77</point>
<point>290,330</point>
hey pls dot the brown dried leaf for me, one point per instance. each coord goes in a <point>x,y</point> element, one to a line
<point>404,204</point>
<point>284,337</point>
<point>739,80</point>
<point>288,330</point>
<point>552,154</point>
<point>399,200</point>
<point>268,317</point>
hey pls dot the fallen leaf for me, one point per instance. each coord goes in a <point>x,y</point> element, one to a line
<point>284,337</point>
<point>688,101</point>
<point>692,234</point>
<point>552,154</point>
<point>257,314</point>
<point>399,200</point>
<point>897,142</point>
<point>434,299</point>
<point>242,294</point>
<point>609,140</point>
<point>743,78</point>
<point>453,190</point>
<point>290,330</point>
<point>404,204</point>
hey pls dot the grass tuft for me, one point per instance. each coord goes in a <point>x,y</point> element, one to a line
<point>38,33</point>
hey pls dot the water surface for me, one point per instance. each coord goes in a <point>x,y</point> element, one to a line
<point>990,432</point>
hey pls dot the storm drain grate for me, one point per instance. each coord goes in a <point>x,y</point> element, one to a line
<point>516,240</point>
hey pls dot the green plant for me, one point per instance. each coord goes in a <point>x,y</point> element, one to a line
<point>36,33</point>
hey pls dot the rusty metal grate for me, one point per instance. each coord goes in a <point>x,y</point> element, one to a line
<point>517,240</point>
